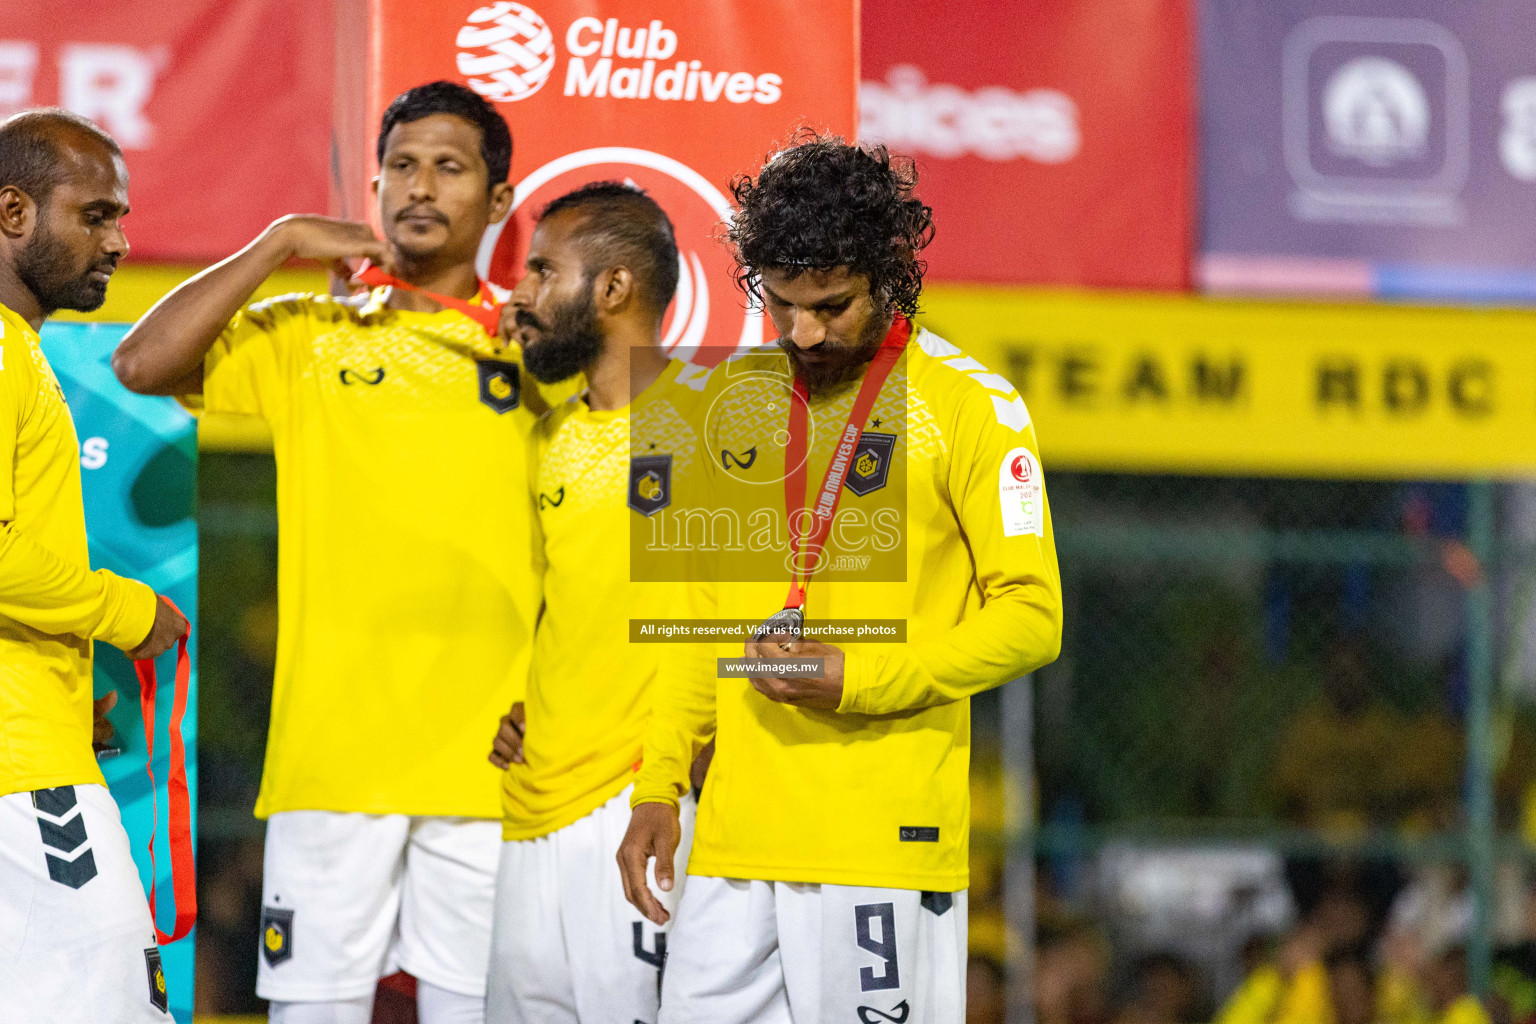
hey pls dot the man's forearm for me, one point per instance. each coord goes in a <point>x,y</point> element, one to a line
<point>163,353</point>
<point>52,595</point>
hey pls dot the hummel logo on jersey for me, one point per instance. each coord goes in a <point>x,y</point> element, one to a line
<point>898,1014</point>
<point>551,500</point>
<point>742,461</point>
<point>371,377</point>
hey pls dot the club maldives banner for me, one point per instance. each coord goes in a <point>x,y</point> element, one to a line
<point>222,107</point>
<point>1369,147</point>
<point>137,469</point>
<point>673,95</point>
<point>1052,136</point>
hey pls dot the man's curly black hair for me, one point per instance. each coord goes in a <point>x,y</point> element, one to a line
<point>823,203</point>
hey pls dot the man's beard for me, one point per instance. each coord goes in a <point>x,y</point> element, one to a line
<point>841,364</point>
<point>567,344</point>
<point>49,271</point>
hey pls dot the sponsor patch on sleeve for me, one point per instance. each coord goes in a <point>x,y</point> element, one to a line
<point>1020,494</point>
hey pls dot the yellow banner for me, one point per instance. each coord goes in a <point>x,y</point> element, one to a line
<point>1192,385</point>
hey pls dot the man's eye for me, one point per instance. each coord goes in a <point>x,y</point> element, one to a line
<point>94,220</point>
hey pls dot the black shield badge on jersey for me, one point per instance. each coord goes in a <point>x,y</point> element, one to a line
<point>871,463</point>
<point>276,935</point>
<point>499,384</point>
<point>159,998</point>
<point>650,483</point>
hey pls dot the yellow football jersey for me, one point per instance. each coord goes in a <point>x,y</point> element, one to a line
<point>51,605</point>
<point>407,592</point>
<point>589,688</point>
<point>946,477</point>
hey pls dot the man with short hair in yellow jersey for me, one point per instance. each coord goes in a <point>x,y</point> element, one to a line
<point>566,947</point>
<point>76,939</point>
<point>406,587</point>
<point>829,864</point>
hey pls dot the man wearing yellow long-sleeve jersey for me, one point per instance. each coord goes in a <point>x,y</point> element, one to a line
<point>406,589</point>
<point>829,865</point>
<point>76,940</point>
<point>566,948</point>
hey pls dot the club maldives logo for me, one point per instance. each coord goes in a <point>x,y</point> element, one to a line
<point>507,52</point>
<point>1020,468</point>
<point>696,207</point>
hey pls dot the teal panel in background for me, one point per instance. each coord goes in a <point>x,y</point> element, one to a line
<point>138,465</point>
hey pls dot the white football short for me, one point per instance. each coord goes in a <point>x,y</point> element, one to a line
<point>76,941</point>
<point>781,952</point>
<point>349,898</point>
<point>567,947</point>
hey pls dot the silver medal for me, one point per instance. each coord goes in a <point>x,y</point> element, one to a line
<point>789,622</point>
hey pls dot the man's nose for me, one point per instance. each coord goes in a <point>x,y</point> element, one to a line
<point>114,242</point>
<point>807,331</point>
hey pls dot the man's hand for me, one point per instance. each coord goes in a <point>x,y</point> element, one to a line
<point>506,327</point>
<point>654,831</point>
<point>309,237</point>
<point>101,726</point>
<point>824,692</point>
<point>507,747</point>
<point>170,626</point>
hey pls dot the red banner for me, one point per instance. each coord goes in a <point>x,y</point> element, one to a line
<point>676,96</point>
<point>222,107</point>
<point>1053,137</point>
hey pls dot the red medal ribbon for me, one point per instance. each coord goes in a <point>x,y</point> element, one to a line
<point>487,314</point>
<point>842,459</point>
<point>179,802</point>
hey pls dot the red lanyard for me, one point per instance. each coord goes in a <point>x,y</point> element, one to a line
<point>487,314</point>
<point>837,469</point>
<point>179,803</point>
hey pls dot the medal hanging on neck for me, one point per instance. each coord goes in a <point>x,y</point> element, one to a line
<point>806,546</point>
<point>487,313</point>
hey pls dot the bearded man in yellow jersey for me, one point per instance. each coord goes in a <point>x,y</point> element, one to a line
<point>406,587</point>
<point>828,870</point>
<point>76,940</point>
<point>567,948</point>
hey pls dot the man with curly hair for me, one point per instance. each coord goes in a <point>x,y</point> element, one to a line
<point>829,865</point>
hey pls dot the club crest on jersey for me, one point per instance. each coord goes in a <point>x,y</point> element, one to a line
<point>499,384</point>
<point>871,463</point>
<point>276,935</point>
<point>650,483</point>
<point>159,998</point>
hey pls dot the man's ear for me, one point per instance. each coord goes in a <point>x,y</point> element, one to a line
<point>18,213</point>
<point>501,202</point>
<point>613,288</point>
